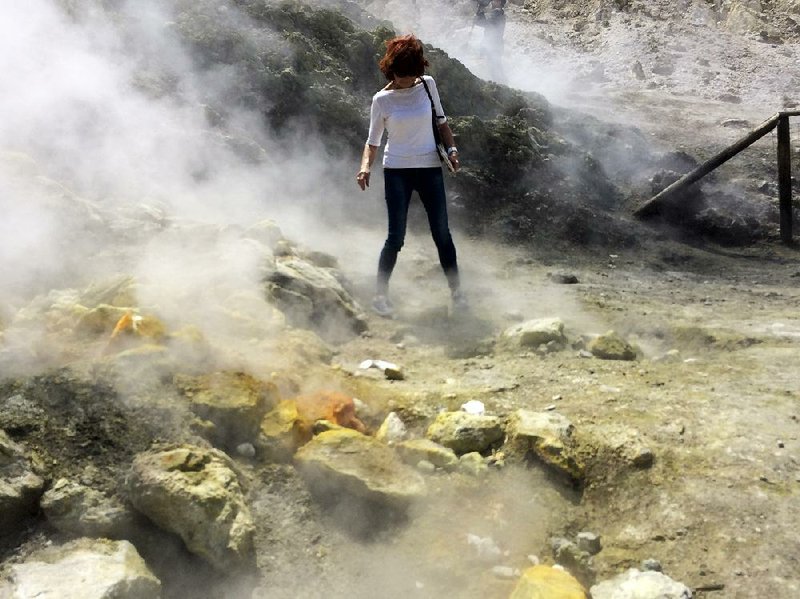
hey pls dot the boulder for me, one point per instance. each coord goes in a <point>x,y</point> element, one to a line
<point>546,436</point>
<point>81,511</point>
<point>195,493</point>
<point>20,487</point>
<point>533,333</point>
<point>546,582</point>
<point>84,569</point>
<point>414,451</point>
<point>346,462</point>
<point>234,401</point>
<point>634,584</point>
<point>314,297</point>
<point>464,433</point>
<point>611,347</point>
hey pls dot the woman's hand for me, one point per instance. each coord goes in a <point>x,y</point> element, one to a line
<point>453,158</point>
<point>363,179</point>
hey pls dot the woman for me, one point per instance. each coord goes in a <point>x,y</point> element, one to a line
<point>410,161</point>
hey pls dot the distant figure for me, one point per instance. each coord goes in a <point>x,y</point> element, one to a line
<point>492,18</point>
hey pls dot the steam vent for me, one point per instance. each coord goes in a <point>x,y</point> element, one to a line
<point>574,375</point>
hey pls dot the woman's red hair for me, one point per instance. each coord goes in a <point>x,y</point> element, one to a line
<point>403,58</point>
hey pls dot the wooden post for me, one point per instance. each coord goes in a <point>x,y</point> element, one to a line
<point>785,178</point>
<point>709,165</point>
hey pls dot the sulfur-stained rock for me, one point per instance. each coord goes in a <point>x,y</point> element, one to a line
<point>546,436</point>
<point>414,451</point>
<point>280,435</point>
<point>612,347</point>
<point>617,444</point>
<point>346,462</point>
<point>81,511</point>
<point>235,402</point>
<point>634,584</point>
<point>336,407</point>
<point>100,319</point>
<point>84,569</point>
<point>464,433</point>
<point>533,333</point>
<point>20,487</point>
<point>293,422</point>
<point>195,493</point>
<point>546,582</point>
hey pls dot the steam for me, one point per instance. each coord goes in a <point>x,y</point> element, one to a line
<point>110,163</point>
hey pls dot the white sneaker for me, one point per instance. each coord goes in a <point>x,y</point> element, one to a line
<point>460,303</point>
<point>382,306</point>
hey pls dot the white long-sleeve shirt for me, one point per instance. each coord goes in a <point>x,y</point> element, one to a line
<point>406,116</point>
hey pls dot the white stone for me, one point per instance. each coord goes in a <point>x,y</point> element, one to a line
<point>85,569</point>
<point>634,584</point>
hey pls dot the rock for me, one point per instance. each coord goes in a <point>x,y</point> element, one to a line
<point>547,436</point>
<point>195,493</point>
<point>346,462</point>
<point>392,430</point>
<point>485,547</point>
<point>292,423</point>
<point>100,320</point>
<point>651,565</point>
<point>472,464</point>
<point>634,584</point>
<point>246,450</point>
<point>267,232</point>
<point>425,467</point>
<point>563,278</point>
<point>464,433</point>
<point>574,559</point>
<point>611,347</point>
<point>234,401</point>
<point>546,582</point>
<point>313,297</point>
<point>638,71</point>
<point>533,333</point>
<point>415,450</point>
<point>20,487</point>
<point>85,569</point>
<point>617,444</point>
<point>81,511</point>
<point>390,370</point>
<point>505,572</point>
<point>280,433</point>
<point>589,542</point>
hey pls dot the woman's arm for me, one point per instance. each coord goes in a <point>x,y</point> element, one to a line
<point>449,142</point>
<point>367,158</point>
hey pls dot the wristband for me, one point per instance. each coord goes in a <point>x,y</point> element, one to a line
<point>452,150</point>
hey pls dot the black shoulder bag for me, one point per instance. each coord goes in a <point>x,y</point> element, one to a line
<point>440,149</point>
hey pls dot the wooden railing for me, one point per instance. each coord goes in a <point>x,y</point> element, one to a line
<point>779,120</point>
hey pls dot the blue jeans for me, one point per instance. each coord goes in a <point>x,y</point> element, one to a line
<point>399,183</point>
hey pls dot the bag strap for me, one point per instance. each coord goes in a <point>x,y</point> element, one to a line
<point>434,116</point>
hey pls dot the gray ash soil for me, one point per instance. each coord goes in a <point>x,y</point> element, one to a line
<point>721,417</point>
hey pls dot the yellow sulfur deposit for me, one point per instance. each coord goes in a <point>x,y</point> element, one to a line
<point>546,582</point>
